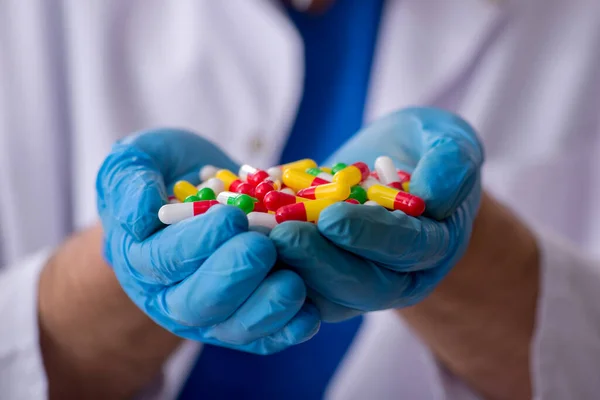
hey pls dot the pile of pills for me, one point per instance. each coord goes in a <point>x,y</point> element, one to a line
<point>297,191</point>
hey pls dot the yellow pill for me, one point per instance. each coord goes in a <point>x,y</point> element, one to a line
<point>308,211</point>
<point>395,199</point>
<point>303,165</point>
<point>352,174</point>
<point>334,191</point>
<point>325,169</point>
<point>298,179</point>
<point>228,178</point>
<point>183,189</point>
<point>406,186</point>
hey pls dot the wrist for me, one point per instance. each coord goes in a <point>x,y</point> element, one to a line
<point>95,342</point>
<point>479,321</point>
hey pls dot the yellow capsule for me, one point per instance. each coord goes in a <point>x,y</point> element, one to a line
<point>395,199</point>
<point>303,165</point>
<point>183,189</point>
<point>308,211</point>
<point>335,191</point>
<point>353,174</point>
<point>228,179</point>
<point>406,186</point>
<point>325,169</point>
<point>298,179</point>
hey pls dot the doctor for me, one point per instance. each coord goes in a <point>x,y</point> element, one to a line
<point>477,300</point>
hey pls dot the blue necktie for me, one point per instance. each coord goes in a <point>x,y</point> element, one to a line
<point>298,373</point>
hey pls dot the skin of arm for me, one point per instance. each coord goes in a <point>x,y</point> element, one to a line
<point>96,343</point>
<point>479,322</point>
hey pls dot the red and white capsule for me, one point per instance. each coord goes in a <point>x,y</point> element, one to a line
<point>386,171</point>
<point>173,213</point>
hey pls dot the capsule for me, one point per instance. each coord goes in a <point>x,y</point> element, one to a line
<point>297,179</point>
<point>288,191</point>
<point>406,186</point>
<point>338,167</point>
<point>206,194</point>
<point>358,193</point>
<point>320,174</point>
<point>370,181</point>
<point>193,198</point>
<point>173,213</point>
<point>334,191</point>
<point>184,189</point>
<point>173,200</point>
<point>259,207</point>
<point>252,175</point>
<point>275,200</point>
<point>244,188</point>
<point>394,199</point>
<point>215,184</point>
<point>403,176</point>
<point>239,200</point>
<point>386,171</point>
<point>262,219</point>
<point>230,180</point>
<point>371,203</point>
<point>207,172</point>
<point>302,165</point>
<point>326,169</point>
<point>263,188</point>
<point>352,174</point>
<point>352,201</point>
<point>275,173</point>
<point>308,211</point>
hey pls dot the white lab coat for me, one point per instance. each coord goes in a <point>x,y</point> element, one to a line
<point>76,75</point>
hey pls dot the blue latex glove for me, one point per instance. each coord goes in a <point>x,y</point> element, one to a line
<point>207,278</point>
<point>361,258</point>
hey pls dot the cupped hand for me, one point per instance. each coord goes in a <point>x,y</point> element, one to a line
<point>365,258</point>
<point>207,278</point>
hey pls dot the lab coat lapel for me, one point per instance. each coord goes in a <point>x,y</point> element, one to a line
<point>424,46</point>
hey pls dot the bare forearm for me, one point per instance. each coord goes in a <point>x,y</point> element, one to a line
<point>95,342</point>
<point>479,322</point>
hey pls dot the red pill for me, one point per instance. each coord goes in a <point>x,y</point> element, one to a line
<point>244,188</point>
<point>260,207</point>
<point>395,185</point>
<point>257,177</point>
<point>404,176</point>
<point>274,200</point>
<point>263,188</point>
<point>307,211</point>
<point>352,201</point>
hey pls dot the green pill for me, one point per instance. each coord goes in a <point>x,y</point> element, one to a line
<point>191,199</point>
<point>358,193</point>
<point>206,194</point>
<point>245,203</point>
<point>338,167</point>
<point>313,171</point>
<point>239,200</point>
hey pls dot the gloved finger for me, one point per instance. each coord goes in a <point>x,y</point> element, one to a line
<point>177,251</point>
<point>449,161</point>
<point>442,148</point>
<point>302,327</point>
<point>337,274</point>
<point>221,284</point>
<point>329,310</point>
<point>131,183</point>
<point>272,306</point>
<point>394,239</point>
